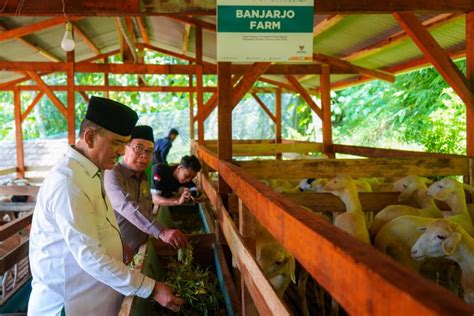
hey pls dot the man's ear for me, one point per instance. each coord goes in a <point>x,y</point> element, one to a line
<point>450,244</point>
<point>89,137</point>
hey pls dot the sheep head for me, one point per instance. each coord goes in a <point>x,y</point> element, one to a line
<point>446,188</point>
<point>339,184</point>
<point>408,185</point>
<point>439,239</point>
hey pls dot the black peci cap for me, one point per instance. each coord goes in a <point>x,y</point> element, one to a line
<point>111,115</point>
<point>143,132</point>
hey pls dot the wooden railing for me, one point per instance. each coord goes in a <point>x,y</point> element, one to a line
<point>361,279</point>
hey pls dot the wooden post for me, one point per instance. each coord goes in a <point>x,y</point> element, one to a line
<point>71,100</point>
<point>224,115</point>
<point>20,155</point>
<point>106,78</point>
<point>199,85</point>
<point>325,85</point>
<point>470,78</point>
<point>247,229</point>
<point>191,109</point>
<point>278,119</point>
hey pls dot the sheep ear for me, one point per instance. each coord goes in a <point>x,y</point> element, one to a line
<point>468,187</point>
<point>450,244</point>
<point>292,267</point>
<point>421,229</point>
<point>404,196</point>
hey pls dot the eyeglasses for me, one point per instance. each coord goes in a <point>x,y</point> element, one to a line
<point>140,150</point>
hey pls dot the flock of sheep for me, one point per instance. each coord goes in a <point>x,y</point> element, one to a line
<point>436,244</point>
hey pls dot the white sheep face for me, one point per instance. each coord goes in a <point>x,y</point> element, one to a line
<point>338,185</point>
<point>439,239</point>
<point>442,190</point>
<point>408,185</point>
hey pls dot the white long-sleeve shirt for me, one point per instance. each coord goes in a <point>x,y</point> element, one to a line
<point>75,246</point>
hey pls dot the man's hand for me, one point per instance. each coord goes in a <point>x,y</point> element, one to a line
<point>185,196</point>
<point>127,254</point>
<point>163,294</point>
<point>173,237</point>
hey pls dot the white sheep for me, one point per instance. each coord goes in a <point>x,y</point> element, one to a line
<point>443,238</point>
<point>353,221</point>
<point>277,264</point>
<point>407,186</point>
<point>398,236</point>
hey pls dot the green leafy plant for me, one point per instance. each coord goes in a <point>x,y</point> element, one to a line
<point>197,286</point>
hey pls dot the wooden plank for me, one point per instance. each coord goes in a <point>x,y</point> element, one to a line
<point>264,107</point>
<point>142,28</point>
<point>278,120</point>
<point>373,73</point>
<point>201,117</point>
<point>305,95</point>
<point>211,104</point>
<point>436,54</point>
<point>224,120</point>
<point>86,39</point>
<point>13,257</point>
<point>191,110</point>
<point>31,190</point>
<point>371,202</point>
<point>85,96</point>
<point>376,167</point>
<point>387,153</point>
<point>196,22</point>
<point>246,83</point>
<point>361,279</point>
<point>15,226</point>
<point>32,105</point>
<point>108,87</point>
<point>7,171</point>
<point>470,78</point>
<point>71,100</point>
<point>273,149</point>
<point>20,154</point>
<point>265,298</point>
<point>44,87</point>
<point>326,24</point>
<point>16,207</point>
<point>34,27</point>
<point>38,168</point>
<point>325,83</point>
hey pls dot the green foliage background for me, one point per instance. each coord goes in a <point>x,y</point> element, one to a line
<point>419,111</point>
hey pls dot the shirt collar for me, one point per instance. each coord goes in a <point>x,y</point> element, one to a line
<point>127,172</point>
<point>91,169</point>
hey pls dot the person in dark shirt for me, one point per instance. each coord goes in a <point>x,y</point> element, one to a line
<point>163,146</point>
<point>173,185</point>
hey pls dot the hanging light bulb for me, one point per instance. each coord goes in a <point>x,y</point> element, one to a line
<point>68,40</point>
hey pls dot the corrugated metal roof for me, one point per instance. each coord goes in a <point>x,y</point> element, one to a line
<point>351,34</point>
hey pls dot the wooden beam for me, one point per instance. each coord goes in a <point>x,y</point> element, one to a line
<point>85,96</point>
<point>8,171</point>
<point>264,107</point>
<point>167,52</point>
<point>470,78</point>
<point>326,24</point>
<point>357,168</point>
<point>13,257</point>
<point>85,38</point>
<point>436,54</point>
<point>30,190</point>
<point>247,81</point>
<point>305,95</point>
<point>191,110</point>
<point>326,109</point>
<point>201,117</point>
<point>71,100</point>
<point>17,207</point>
<point>136,8</point>
<point>15,226</point>
<point>20,155</point>
<point>374,73</point>
<point>47,90</point>
<point>278,120</point>
<point>226,95</point>
<point>34,47</point>
<point>142,28</point>
<point>361,279</point>
<point>35,27</point>
<point>196,22</point>
<point>272,149</point>
<point>370,201</point>
<point>32,105</point>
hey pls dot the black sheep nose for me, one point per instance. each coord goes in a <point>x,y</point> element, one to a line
<point>414,251</point>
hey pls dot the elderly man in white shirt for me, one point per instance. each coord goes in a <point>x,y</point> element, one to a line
<point>76,252</point>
